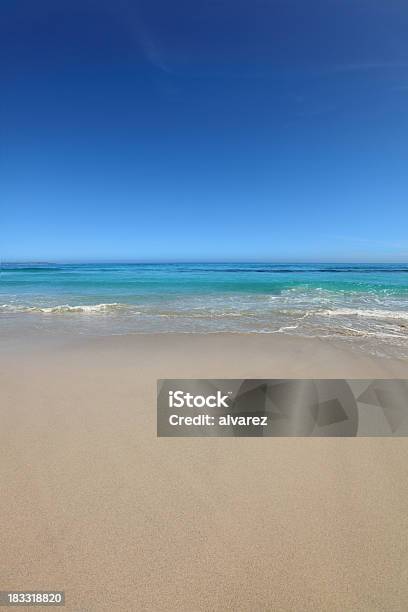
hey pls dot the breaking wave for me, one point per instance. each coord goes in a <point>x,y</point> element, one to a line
<point>366,313</point>
<point>66,308</point>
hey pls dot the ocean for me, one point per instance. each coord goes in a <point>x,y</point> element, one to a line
<point>347,301</point>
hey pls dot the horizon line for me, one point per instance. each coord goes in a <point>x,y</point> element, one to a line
<point>197,261</point>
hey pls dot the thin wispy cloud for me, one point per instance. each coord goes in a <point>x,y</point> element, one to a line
<point>150,46</point>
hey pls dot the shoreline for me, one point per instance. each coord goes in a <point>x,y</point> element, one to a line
<point>368,302</point>
<point>213,355</point>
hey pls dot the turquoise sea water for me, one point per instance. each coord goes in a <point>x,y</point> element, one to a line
<point>346,300</point>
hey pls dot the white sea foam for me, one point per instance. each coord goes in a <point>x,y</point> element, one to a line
<point>66,308</point>
<point>366,313</point>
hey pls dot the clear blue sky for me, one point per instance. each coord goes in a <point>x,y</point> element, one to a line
<point>210,130</point>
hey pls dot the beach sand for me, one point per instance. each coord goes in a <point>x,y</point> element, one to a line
<point>94,504</point>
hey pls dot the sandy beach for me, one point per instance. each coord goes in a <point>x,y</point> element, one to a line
<point>96,505</point>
